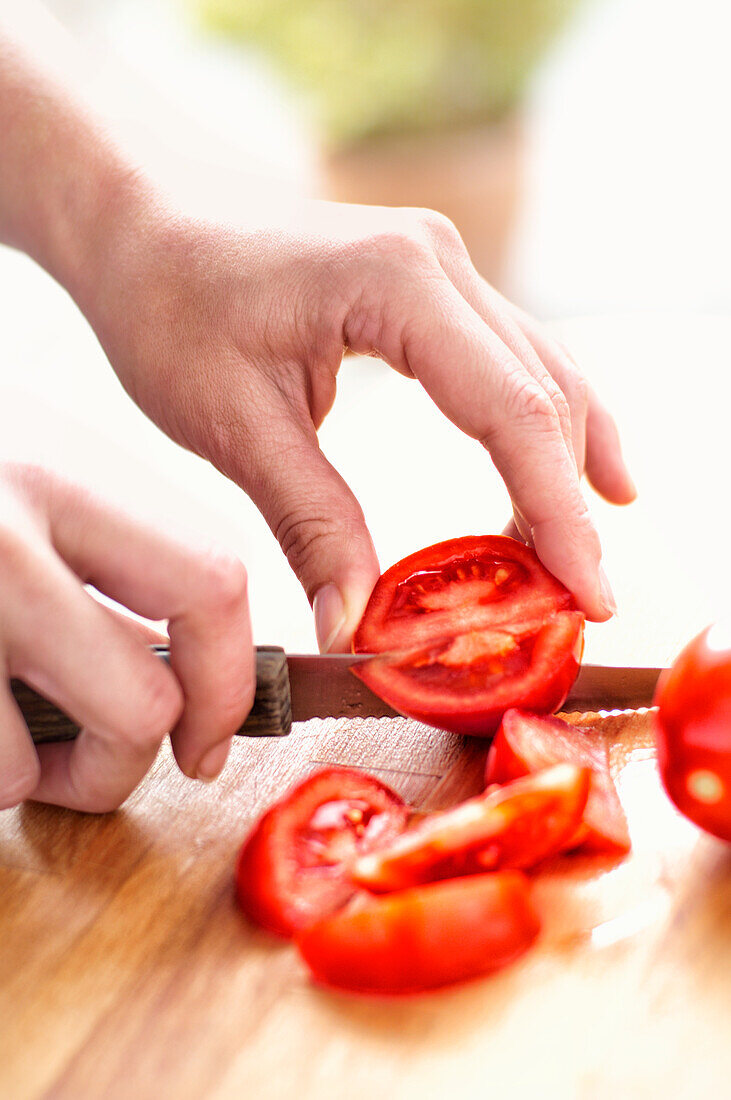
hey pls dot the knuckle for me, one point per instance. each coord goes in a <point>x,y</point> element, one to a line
<point>529,402</point>
<point>302,537</point>
<point>440,229</point>
<point>223,583</point>
<point>19,786</point>
<point>401,247</point>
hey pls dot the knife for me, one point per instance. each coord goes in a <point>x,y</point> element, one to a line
<point>296,687</point>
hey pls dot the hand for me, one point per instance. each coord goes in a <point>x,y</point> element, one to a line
<point>231,341</point>
<point>96,664</point>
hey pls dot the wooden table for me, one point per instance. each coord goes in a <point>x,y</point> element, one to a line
<point>125,969</point>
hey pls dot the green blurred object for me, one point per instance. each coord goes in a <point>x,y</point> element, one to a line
<point>376,67</point>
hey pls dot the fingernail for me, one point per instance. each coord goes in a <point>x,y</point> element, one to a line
<point>329,609</point>
<point>607,595</point>
<point>211,765</point>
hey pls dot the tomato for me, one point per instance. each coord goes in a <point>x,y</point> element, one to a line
<point>516,826</point>
<point>526,743</point>
<point>467,629</point>
<point>424,937</point>
<point>293,868</point>
<point>693,730</point>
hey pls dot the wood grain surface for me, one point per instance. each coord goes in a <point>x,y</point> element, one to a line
<point>127,971</point>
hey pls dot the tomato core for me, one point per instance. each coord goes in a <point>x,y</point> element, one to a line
<point>334,833</point>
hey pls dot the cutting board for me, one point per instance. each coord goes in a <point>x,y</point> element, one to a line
<point>127,971</point>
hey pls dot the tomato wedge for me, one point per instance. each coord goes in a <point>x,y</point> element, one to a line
<point>293,868</point>
<point>526,743</point>
<point>693,730</point>
<point>516,826</point>
<point>425,937</point>
<point>467,629</point>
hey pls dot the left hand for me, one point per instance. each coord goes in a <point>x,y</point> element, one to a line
<point>231,340</point>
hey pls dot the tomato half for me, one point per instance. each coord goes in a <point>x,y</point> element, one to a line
<point>424,937</point>
<point>516,826</point>
<point>467,629</point>
<point>693,730</point>
<point>526,743</point>
<point>293,867</point>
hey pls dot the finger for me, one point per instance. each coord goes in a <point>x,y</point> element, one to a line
<point>203,595</point>
<point>604,463</point>
<point>479,384</point>
<point>19,767</point>
<point>567,375</point>
<point>314,515</point>
<point>496,312</point>
<point>67,646</point>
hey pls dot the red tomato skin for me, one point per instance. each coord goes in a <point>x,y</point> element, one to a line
<point>537,598</point>
<point>425,937</point>
<point>526,743</point>
<point>273,888</point>
<point>517,826</point>
<point>693,731</point>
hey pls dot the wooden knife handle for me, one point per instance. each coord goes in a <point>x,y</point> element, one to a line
<point>271,715</point>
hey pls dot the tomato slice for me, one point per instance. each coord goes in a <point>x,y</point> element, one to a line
<point>467,629</point>
<point>424,937</point>
<point>516,826</point>
<point>525,743</point>
<point>693,730</point>
<point>293,868</point>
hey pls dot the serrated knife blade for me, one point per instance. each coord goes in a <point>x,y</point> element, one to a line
<point>325,687</point>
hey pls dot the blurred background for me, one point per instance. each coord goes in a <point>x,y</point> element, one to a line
<point>581,147</point>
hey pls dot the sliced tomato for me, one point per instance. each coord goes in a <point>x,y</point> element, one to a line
<point>425,937</point>
<point>467,629</point>
<point>293,868</point>
<point>525,743</point>
<point>693,730</point>
<point>516,826</point>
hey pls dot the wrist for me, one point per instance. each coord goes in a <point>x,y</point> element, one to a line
<point>113,229</point>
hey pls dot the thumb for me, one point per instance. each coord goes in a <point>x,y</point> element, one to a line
<point>320,527</point>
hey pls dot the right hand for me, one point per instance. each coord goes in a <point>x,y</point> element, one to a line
<point>96,664</point>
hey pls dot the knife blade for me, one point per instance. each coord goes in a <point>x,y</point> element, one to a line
<point>324,686</point>
<point>297,687</point>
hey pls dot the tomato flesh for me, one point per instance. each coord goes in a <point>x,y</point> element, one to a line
<point>516,826</point>
<point>293,867</point>
<point>526,743</point>
<point>423,937</point>
<point>467,629</point>
<point>693,731</point>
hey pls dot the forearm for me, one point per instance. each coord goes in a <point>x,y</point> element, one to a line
<point>63,183</point>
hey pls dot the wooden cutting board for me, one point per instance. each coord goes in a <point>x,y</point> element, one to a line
<point>126,970</point>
